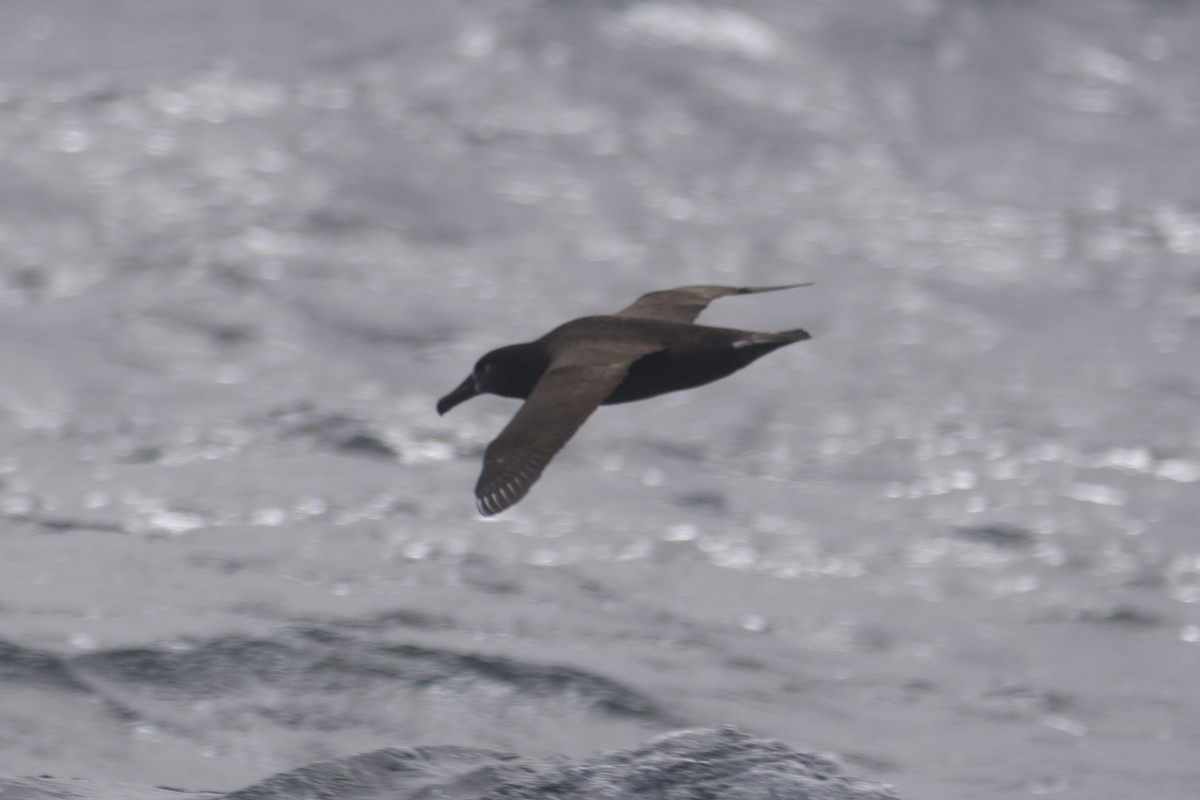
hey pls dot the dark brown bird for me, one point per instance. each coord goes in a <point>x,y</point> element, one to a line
<point>650,348</point>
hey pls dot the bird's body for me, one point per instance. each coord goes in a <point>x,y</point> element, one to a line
<point>650,348</point>
<point>685,355</point>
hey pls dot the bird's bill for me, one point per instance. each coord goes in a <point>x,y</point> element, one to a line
<point>465,391</point>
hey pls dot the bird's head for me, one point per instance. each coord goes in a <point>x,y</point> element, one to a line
<point>509,372</point>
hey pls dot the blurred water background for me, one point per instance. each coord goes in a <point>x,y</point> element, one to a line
<point>952,540</point>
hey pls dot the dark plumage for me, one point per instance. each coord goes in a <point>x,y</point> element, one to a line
<point>650,348</point>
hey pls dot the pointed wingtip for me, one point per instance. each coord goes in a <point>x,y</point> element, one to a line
<point>757,289</point>
<point>486,505</point>
<point>501,497</point>
<point>492,504</point>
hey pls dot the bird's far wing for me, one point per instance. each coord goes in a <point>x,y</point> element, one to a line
<point>685,303</point>
<point>563,399</point>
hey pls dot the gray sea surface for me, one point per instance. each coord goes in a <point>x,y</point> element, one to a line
<point>951,542</point>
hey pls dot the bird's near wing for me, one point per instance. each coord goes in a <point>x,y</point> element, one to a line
<point>685,303</point>
<point>563,399</point>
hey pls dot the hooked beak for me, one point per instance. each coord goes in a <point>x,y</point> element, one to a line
<point>465,391</point>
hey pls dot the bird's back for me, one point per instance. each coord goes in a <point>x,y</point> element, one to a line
<point>645,334</point>
<point>664,356</point>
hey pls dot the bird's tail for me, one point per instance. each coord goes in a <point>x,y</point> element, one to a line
<point>794,335</point>
<point>763,343</point>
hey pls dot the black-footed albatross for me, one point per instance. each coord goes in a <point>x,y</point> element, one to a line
<point>650,348</point>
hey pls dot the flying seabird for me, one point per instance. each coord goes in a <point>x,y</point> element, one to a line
<point>650,348</point>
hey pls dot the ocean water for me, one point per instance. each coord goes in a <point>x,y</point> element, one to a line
<point>950,542</point>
